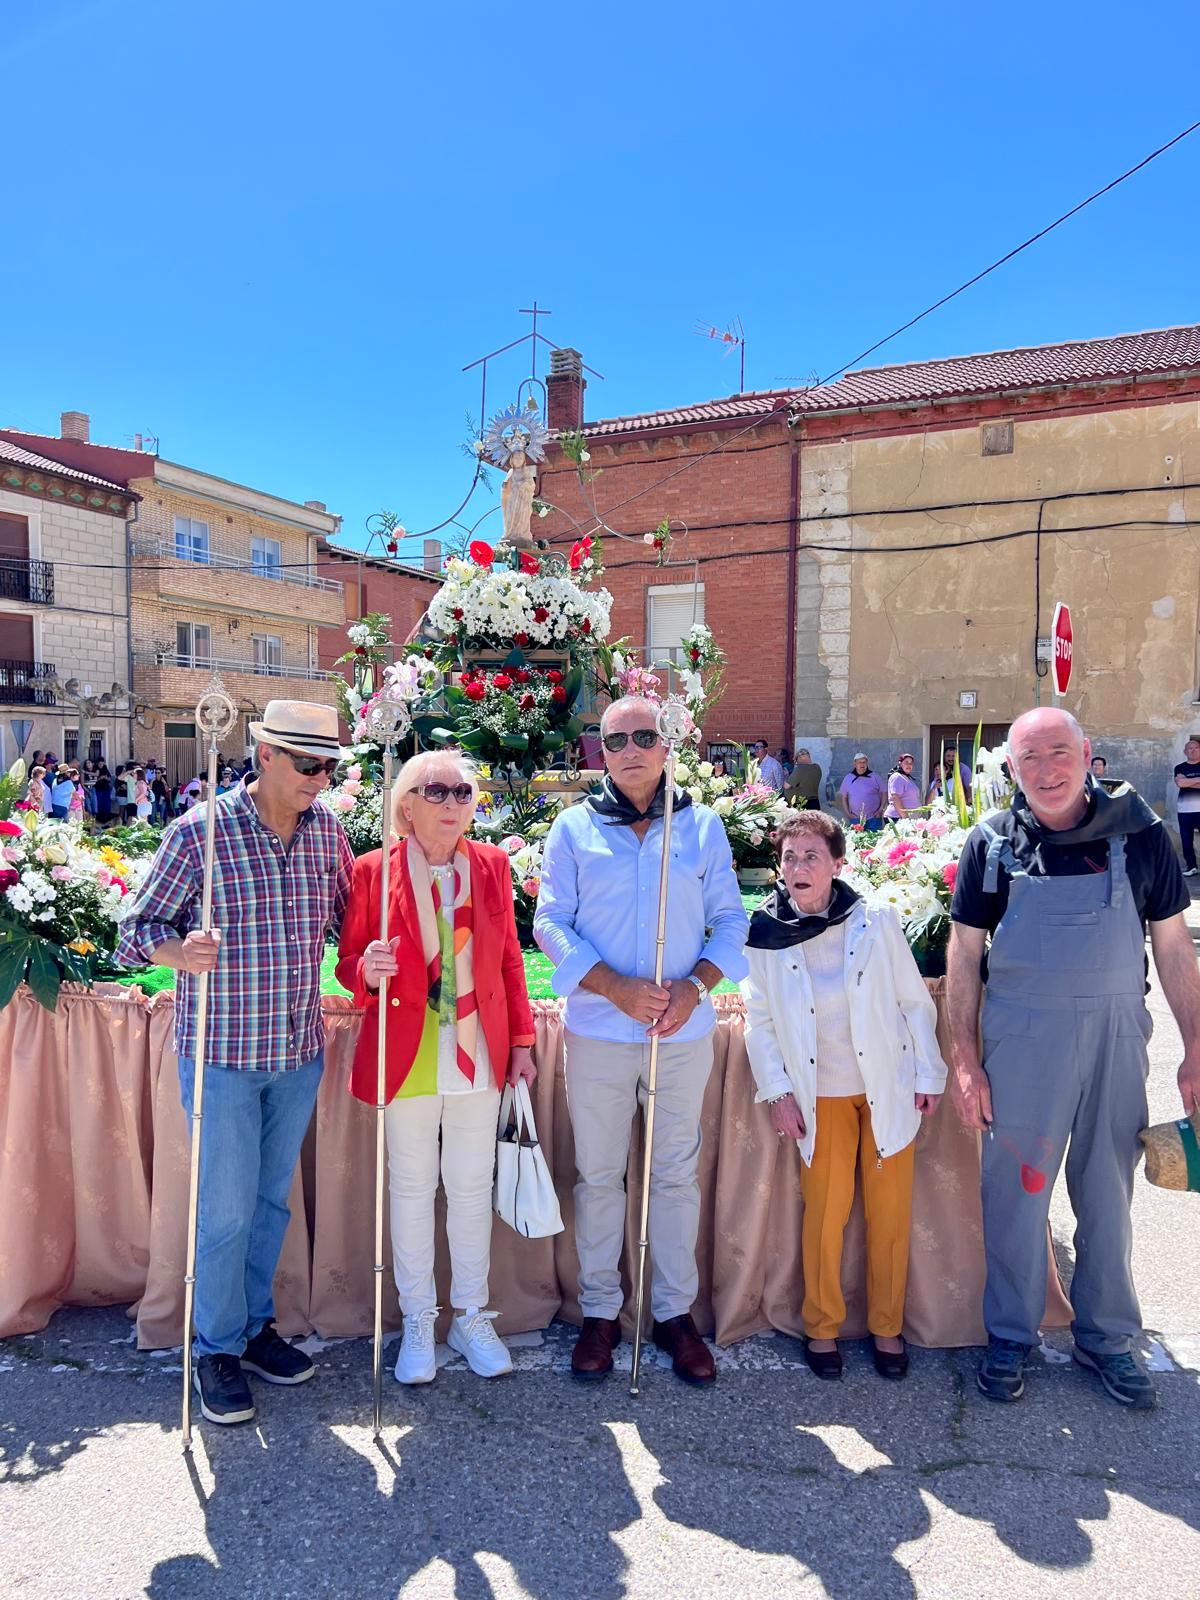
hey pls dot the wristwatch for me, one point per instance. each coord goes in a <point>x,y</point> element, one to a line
<point>701,987</point>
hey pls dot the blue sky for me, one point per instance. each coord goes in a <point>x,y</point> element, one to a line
<point>273,234</point>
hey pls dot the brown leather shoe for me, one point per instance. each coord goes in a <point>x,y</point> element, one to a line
<point>592,1355</point>
<point>690,1356</point>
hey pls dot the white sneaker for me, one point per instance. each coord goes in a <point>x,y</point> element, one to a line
<point>472,1335</point>
<point>417,1361</point>
<point>1190,872</point>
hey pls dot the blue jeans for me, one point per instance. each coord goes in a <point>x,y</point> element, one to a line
<point>251,1132</point>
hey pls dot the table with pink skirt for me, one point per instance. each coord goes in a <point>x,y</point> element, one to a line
<point>94,1186</point>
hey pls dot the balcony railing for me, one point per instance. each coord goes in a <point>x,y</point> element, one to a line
<point>256,669</point>
<point>31,581</point>
<point>23,683</point>
<point>303,577</point>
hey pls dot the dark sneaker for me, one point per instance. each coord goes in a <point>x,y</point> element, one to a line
<point>1123,1377</point>
<point>224,1392</point>
<point>1001,1373</point>
<point>275,1359</point>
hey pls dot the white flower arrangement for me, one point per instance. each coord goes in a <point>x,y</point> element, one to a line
<point>490,605</point>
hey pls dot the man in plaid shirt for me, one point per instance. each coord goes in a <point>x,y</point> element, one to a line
<point>280,882</point>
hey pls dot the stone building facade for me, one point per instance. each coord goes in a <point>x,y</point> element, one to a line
<point>880,557</point>
<point>222,577</point>
<point>64,605</point>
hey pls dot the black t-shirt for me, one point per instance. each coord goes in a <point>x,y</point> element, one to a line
<point>1155,876</point>
<point>1188,799</point>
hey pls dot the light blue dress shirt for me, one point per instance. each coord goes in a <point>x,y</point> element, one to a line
<point>599,902</point>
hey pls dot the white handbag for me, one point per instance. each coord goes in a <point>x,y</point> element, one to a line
<point>524,1194</point>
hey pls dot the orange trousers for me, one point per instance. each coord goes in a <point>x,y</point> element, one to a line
<point>843,1135</point>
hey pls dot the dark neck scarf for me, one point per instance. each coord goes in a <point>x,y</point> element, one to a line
<point>618,809</point>
<point>778,924</point>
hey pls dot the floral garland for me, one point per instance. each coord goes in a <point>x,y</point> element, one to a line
<point>485,605</point>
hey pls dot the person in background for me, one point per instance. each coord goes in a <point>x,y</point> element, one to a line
<point>194,790</point>
<point>160,797</point>
<point>127,784</point>
<point>802,791</point>
<point>936,787</point>
<point>37,759</point>
<point>863,794</point>
<point>143,801</point>
<point>104,794</point>
<point>225,780</point>
<point>1065,881</point>
<point>51,764</point>
<point>847,1070</point>
<point>784,757</point>
<point>62,792</point>
<point>903,791</point>
<point>769,770</point>
<point>87,778</point>
<point>36,793</point>
<point>1099,767</point>
<point>720,770</point>
<point>1187,782</point>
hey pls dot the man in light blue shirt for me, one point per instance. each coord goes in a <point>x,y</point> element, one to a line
<point>597,920</point>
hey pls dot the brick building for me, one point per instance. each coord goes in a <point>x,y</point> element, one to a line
<point>881,555</point>
<point>64,602</point>
<point>373,583</point>
<point>221,576</point>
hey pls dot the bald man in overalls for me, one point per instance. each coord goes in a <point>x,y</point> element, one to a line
<point>1065,882</point>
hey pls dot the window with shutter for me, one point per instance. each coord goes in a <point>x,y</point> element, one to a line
<point>671,609</point>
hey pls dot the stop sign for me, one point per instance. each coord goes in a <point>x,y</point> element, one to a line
<point>1063,643</point>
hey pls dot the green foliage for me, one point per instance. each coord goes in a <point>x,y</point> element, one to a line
<point>12,788</point>
<point>42,964</point>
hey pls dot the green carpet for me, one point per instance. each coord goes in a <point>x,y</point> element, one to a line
<point>154,980</point>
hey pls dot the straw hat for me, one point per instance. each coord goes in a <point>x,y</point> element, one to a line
<point>1173,1153</point>
<point>300,726</point>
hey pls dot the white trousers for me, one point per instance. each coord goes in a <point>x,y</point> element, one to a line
<point>605,1082</point>
<point>455,1133</point>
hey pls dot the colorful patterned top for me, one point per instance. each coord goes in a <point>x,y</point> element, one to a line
<point>435,1068</point>
<point>274,908</point>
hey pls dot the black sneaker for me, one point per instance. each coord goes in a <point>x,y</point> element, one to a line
<point>275,1359</point>
<point>1123,1377</point>
<point>224,1392</point>
<point>1001,1373</point>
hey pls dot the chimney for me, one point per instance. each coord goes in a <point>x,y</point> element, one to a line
<point>564,390</point>
<point>432,560</point>
<point>314,505</point>
<point>74,425</point>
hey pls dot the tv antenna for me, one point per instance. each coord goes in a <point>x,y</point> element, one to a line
<point>733,337</point>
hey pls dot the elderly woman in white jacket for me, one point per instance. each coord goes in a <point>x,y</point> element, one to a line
<point>840,1033</point>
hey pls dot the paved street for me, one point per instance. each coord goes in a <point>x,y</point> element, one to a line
<point>772,1484</point>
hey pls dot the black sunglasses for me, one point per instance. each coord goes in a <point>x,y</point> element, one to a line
<point>438,793</point>
<point>644,738</point>
<point>309,766</point>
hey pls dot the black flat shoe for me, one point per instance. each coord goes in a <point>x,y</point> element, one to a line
<point>890,1363</point>
<point>825,1363</point>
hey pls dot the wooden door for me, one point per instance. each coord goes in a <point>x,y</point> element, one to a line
<point>960,737</point>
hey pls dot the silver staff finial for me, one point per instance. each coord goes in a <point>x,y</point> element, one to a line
<point>215,712</point>
<point>389,720</point>
<point>674,722</point>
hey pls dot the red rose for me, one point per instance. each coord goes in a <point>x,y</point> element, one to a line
<point>360,649</point>
<point>540,614</point>
<point>527,704</point>
<point>429,655</point>
<point>554,675</point>
<point>482,554</point>
<point>521,638</point>
<point>12,829</point>
<point>502,681</point>
<point>392,547</point>
<point>8,877</point>
<point>474,691</point>
<point>521,675</point>
<point>585,626</point>
<point>458,613</point>
<point>529,563</point>
<point>558,694</point>
<point>576,557</point>
<point>695,654</point>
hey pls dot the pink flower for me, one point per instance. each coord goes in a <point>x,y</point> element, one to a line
<point>13,829</point>
<point>512,843</point>
<point>936,827</point>
<point>903,850</point>
<point>950,875</point>
<point>11,853</point>
<point>354,773</point>
<point>342,802</point>
<point>63,874</point>
<point>531,887</point>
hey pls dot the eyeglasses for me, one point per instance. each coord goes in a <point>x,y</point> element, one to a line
<point>309,766</point>
<point>438,793</point>
<point>644,738</point>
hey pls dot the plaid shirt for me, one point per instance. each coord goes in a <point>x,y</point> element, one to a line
<point>274,908</point>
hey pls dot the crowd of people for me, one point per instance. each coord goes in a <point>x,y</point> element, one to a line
<point>840,1031</point>
<point>135,792</point>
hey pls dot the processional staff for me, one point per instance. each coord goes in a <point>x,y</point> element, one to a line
<point>674,724</point>
<point>389,720</point>
<point>215,717</point>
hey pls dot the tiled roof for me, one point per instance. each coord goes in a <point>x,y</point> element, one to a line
<point>1124,355</point>
<point>21,457</point>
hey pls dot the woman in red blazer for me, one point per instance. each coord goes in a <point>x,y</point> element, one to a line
<point>458,1024</point>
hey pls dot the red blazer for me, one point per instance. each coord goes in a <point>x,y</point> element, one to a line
<point>504,1013</point>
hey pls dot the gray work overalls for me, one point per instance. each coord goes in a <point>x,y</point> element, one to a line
<point>1065,1028</point>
